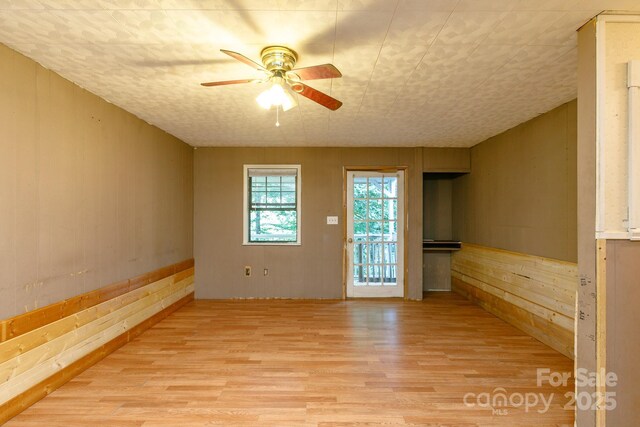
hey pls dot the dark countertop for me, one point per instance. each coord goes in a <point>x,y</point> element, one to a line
<point>441,245</point>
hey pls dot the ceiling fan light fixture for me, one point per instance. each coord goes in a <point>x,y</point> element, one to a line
<point>277,95</point>
<point>278,64</point>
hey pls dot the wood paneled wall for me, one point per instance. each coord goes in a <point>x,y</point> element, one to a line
<point>313,269</point>
<point>446,159</point>
<point>43,349</point>
<point>534,294</point>
<point>89,193</point>
<point>521,193</point>
<point>620,300</point>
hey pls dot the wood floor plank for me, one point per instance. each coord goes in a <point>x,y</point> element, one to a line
<point>313,363</point>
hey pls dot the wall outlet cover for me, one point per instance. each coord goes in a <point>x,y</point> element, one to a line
<point>332,220</point>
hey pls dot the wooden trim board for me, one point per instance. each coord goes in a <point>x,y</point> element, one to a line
<point>601,330</point>
<point>534,294</point>
<point>44,356</point>
<point>23,323</point>
<point>21,402</point>
<point>28,351</point>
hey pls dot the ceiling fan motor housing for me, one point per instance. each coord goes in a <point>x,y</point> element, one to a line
<point>278,58</point>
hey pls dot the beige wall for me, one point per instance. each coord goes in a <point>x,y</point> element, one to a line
<point>446,159</point>
<point>521,192</point>
<point>89,193</point>
<point>312,270</point>
<point>437,205</point>
<point>621,45</point>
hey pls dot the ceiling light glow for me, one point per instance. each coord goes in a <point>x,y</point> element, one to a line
<point>277,95</point>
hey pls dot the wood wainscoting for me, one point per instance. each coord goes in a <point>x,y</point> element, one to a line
<point>535,294</point>
<point>43,349</point>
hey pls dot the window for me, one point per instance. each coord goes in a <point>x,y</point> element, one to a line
<point>272,204</point>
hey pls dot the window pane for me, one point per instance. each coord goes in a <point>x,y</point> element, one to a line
<point>288,186</point>
<point>288,197</point>
<point>391,209</point>
<point>375,209</point>
<point>258,183</point>
<point>391,187</point>
<point>359,209</point>
<point>273,226</point>
<point>389,274</point>
<point>364,250</point>
<point>374,253</point>
<point>359,229</point>
<point>357,253</point>
<point>375,187</point>
<point>258,197</point>
<point>390,231</point>
<point>273,197</point>
<point>390,253</point>
<point>375,231</point>
<point>359,278</point>
<point>359,187</point>
<point>374,275</point>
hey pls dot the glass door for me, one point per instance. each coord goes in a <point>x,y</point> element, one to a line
<point>375,232</point>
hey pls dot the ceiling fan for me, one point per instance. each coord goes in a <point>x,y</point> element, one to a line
<point>278,66</point>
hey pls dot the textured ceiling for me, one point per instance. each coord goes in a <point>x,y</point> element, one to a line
<point>415,72</point>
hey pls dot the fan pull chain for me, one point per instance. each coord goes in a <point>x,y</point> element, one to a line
<point>277,116</point>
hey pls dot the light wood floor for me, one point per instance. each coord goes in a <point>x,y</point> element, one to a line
<point>290,363</point>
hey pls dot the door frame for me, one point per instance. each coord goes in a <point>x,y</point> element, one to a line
<point>405,235</point>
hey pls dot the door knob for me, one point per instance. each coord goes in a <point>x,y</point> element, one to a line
<point>350,240</point>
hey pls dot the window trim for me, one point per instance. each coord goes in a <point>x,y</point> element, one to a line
<point>245,204</point>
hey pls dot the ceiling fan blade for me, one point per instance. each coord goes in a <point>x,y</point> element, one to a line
<point>317,96</point>
<point>324,71</point>
<point>240,57</point>
<point>229,82</point>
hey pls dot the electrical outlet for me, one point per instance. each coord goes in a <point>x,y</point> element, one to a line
<point>247,270</point>
<point>332,220</point>
<point>265,272</point>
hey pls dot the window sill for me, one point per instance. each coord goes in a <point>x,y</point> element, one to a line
<point>271,244</point>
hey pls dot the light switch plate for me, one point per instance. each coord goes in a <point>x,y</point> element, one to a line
<point>332,220</point>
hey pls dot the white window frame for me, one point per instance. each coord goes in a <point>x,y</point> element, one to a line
<point>245,205</point>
